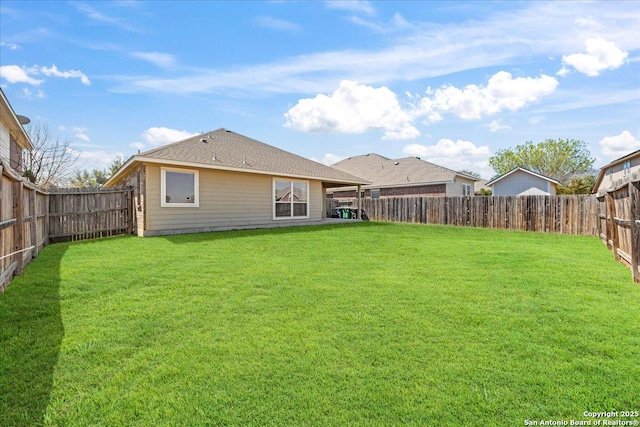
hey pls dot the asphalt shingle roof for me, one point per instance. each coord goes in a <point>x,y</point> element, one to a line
<point>382,171</point>
<point>225,149</point>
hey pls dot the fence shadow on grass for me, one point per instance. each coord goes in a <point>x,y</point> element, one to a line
<point>31,333</point>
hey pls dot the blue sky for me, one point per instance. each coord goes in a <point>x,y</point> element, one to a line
<point>450,82</point>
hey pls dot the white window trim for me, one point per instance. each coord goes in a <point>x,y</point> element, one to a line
<point>273,199</point>
<point>163,188</point>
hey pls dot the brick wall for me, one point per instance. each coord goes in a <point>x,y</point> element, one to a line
<point>419,190</point>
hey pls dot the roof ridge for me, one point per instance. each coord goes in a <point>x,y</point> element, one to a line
<point>172,144</point>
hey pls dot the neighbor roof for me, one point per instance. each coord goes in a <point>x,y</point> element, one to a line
<point>385,172</point>
<point>504,175</point>
<point>227,150</point>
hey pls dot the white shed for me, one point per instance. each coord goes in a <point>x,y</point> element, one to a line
<point>523,182</point>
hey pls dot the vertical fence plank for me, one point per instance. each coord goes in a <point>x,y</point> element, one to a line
<point>634,207</point>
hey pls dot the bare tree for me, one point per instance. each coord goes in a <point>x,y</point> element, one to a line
<point>52,161</point>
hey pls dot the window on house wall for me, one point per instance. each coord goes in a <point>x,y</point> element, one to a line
<point>290,199</point>
<point>626,167</point>
<point>179,188</point>
<point>375,194</point>
<point>466,190</point>
<point>610,173</point>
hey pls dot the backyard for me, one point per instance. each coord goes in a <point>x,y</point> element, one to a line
<point>372,324</point>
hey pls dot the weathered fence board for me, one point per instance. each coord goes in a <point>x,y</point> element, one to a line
<point>619,223</point>
<point>79,214</point>
<point>22,232</point>
<point>550,214</point>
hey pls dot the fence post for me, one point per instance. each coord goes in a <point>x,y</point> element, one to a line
<point>634,215</point>
<point>612,226</point>
<point>18,230</point>
<point>34,221</point>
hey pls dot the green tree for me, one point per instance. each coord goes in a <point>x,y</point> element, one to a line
<point>560,159</point>
<point>579,185</point>
<point>95,177</point>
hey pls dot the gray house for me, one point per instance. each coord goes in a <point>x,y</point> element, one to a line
<point>523,182</point>
<point>223,180</point>
<point>408,176</point>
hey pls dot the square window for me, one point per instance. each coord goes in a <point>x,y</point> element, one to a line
<point>291,199</point>
<point>179,188</point>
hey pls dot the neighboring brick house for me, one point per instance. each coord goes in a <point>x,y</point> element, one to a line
<point>617,172</point>
<point>13,138</point>
<point>409,176</point>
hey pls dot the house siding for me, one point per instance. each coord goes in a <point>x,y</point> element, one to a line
<point>5,143</point>
<point>614,175</point>
<point>522,183</point>
<point>228,200</point>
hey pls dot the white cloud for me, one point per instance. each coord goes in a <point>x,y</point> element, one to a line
<point>53,71</point>
<point>157,136</point>
<point>456,155</point>
<point>329,159</point>
<point>426,51</point>
<point>137,145</point>
<point>535,120</point>
<point>396,24</point>
<point>98,16</point>
<point>83,136</point>
<point>503,92</point>
<point>96,159</point>
<point>15,74</point>
<point>447,148</point>
<point>11,46</point>
<point>163,60</point>
<point>352,6</point>
<point>495,126</point>
<point>619,145</point>
<point>352,108</point>
<point>601,55</point>
<point>276,24</point>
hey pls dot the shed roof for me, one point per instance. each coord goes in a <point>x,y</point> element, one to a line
<point>227,150</point>
<point>516,169</point>
<point>384,172</point>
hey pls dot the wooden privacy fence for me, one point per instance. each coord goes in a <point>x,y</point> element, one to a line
<point>31,217</point>
<point>551,214</point>
<point>89,213</point>
<point>23,224</point>
<point>619,223</point>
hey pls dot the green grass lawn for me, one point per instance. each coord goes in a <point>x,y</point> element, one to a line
<point>369,324</point>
